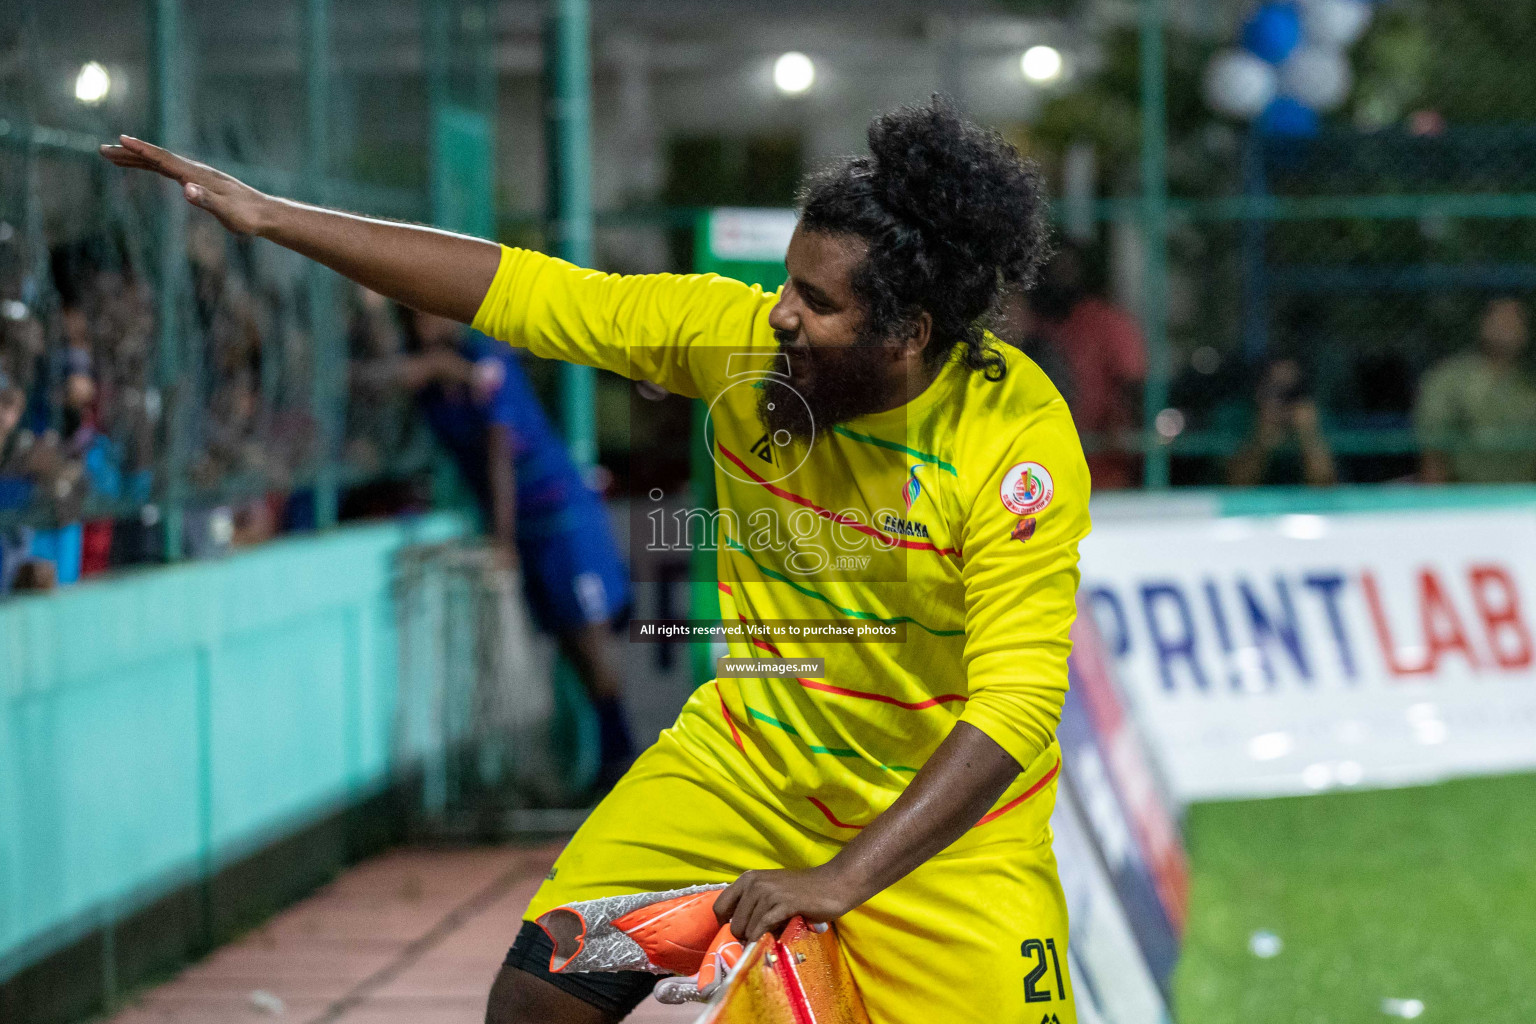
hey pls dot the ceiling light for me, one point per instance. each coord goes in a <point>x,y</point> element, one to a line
<point>1041,64</point>
<point>92,84</point>
<point>793,73</point>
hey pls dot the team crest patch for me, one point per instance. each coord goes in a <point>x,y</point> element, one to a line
<point>1027,489</point>
<point>1024,530</point>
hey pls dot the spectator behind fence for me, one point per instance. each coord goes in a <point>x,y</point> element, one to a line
<point>1016,322</point>
<point>1106,361</point>
<point>40,469</point>
<point>14,488</point>
<point>542,516</point>
<point>1286,445</point>
<point>1476,411</point>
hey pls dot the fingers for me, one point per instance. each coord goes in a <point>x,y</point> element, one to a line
<point>725,903</point>
<point>762,901</point>
<point>136,153</point>
<point>770,915</point>
<point>149,151</point>
<point>125,158</point>
<point>742,918</point>
<point>762,912</point>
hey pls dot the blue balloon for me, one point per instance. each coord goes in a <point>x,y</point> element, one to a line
<point>1289,118</point>
<point>1273,31</point>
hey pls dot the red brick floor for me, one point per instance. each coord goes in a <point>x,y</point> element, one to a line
<point>412,937</point>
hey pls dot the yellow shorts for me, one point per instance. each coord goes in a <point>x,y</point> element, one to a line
<point>977,935</point>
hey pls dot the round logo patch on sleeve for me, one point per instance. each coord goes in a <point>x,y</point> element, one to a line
<point>1027,489</point>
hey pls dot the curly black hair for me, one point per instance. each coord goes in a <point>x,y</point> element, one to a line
<point>953,216</point>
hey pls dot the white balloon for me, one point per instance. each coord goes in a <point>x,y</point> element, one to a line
<point>1336,23</point>
<point>1238,84</point>
<point>1319,77</point>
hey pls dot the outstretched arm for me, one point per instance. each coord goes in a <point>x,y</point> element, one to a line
<point>424,268</point>
<point>963,778</point>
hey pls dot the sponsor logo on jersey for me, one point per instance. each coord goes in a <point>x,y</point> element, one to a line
<point>905,527</point>
<point>1027,489</point>
<point>912,489</point>
<point>1024,530</point>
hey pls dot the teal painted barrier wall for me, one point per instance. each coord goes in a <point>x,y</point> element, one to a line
<point>157,725</point>
<point>1276,501</point>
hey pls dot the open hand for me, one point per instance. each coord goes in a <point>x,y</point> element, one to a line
<point>237,206</point>
<point>764,901</point>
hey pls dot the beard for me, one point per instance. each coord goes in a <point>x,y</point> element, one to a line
<point>826,386</point>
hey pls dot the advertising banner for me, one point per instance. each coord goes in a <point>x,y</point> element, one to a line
<point>1111,981</point>
<point>1130,822</point>
<point>1290,654</point>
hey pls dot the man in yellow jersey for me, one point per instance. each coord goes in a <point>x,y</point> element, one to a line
<point>881,461</point>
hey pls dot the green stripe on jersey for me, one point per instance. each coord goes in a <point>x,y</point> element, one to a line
<point>814,748</point>
<point>880,442</point>
<point>852,613</point>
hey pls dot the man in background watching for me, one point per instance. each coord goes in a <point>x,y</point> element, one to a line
<point>1476,412</point>
<point>1105,357</point>
<point>1287,446</point>
<point>542,516</point>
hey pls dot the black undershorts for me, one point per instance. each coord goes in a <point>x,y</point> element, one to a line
<point>615,992</point>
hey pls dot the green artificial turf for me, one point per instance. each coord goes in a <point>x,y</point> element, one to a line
<point>1426,893</point>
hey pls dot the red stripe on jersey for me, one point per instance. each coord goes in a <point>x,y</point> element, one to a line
<point>901,542</point>
<point>728,719</point>
<point>829,815</point>
<point>1031,791</point>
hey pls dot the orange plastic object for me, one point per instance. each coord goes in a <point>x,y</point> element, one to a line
<point>723,954</point>
<point>799,978</point>
<point>675,934</point>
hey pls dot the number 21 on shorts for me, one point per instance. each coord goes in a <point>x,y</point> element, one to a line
<point>1037,986</point>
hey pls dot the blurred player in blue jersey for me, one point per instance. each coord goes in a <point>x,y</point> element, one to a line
<point>543,518</point>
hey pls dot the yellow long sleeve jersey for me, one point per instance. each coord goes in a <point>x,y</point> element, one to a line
<point>954,518</point>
